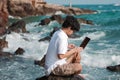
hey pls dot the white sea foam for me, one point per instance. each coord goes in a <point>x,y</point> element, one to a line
<point>14,17</point>
<point>100,6</point>
<point>95,35</point>
<point>96,60</point>
<point>59,13</point>
<point>33,48</point>
<point>100,58</point>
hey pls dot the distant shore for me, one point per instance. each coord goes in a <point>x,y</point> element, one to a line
<point>23,9</point>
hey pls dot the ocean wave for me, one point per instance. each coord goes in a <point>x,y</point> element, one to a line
<point>33,48</point>
<point>112,22</point>
<point>95,35</point>
<point>103,11</point>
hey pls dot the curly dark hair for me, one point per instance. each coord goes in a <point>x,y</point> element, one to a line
<point>72,22</point>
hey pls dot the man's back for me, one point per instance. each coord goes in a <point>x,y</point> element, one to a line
<point>58,44</point>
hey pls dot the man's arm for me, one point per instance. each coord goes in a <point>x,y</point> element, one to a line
<point>70,52</point>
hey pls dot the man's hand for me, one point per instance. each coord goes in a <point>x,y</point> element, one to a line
<point>71,46</point>
<point>80,49</point>
<point>77,49</point>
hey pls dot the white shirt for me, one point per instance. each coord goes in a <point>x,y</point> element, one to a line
<point>58,45</point>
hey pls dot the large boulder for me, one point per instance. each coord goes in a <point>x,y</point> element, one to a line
<point>25,8</point>
<point>53,77</point>
<point>115,68</point>
<point>6,54</point>
<point>50,35</point>
<point>20,9</point>
<point>3,31</point>
<point>45,21</point>
<point>19,51</point>
<point>58,18</point>
<point>19,26</point>
<point>3,16</point>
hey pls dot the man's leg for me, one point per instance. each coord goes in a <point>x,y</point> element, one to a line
<point>77,58</point>
<point>67,69</point>
<point>74,58</point>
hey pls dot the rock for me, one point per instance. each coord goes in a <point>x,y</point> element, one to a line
<point>45,21</point>
<point>18,27</point>
<point>49,37</point>
<point>26,8</point>
<point>3,31</point>
<point>53,77</point>
<point>20,9</point>
<point>6,54</point>
<point>3,13</point>
<point>45,38</point>
<point>81,20</point>
<point>40,62</point>
<point>74,36</point>
<point>19,51</point>
<point>58,18</point>
<point>3,16</point>
<point>3,44</point>
<point>54,29</point>
<point>115,68</point>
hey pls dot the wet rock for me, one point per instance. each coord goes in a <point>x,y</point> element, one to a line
<point>45,21</point>
<point>3,31</point>
<point>3,13</point>
<point>18,27</point>
<point>81,20</point>
<point>40,62</point>
<point>45,38</point>
<point>19,51</point>
<point>58,18</point>
<point>3,16</point>
<point>3,44</point>
<point>115,68</point>
<point>6,54</point>
<point>74,36</point>
<point>49,37</point>
<point>53,77</point>
<point>54,30</point>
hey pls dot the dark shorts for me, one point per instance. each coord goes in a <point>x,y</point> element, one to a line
<point>66,69</point>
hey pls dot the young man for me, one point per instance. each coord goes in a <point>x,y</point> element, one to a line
<point>63,59</point>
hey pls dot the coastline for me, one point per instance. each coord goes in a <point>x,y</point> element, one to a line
<point>27,9</point>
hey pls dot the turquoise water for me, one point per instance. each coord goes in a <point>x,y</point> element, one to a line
<point>103,49</point>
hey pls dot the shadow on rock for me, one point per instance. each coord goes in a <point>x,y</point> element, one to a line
<point>53,77</point>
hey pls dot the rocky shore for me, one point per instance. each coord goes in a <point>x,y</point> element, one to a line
<point>23,9</point>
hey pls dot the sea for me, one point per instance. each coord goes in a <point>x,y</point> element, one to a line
<point>103,49</point>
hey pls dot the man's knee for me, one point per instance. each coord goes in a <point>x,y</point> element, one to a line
<point>78,67</point>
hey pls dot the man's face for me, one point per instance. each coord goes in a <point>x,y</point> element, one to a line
<point>70,31</point>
